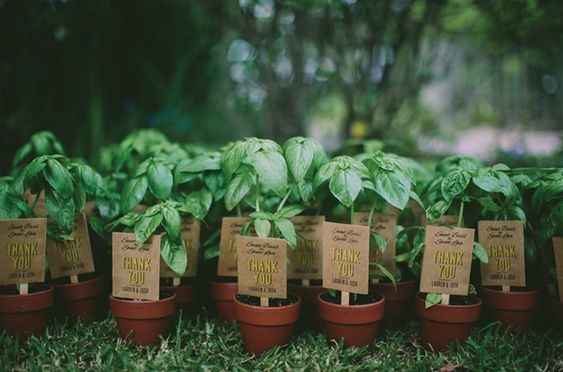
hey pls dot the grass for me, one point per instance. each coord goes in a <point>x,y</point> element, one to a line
<point>204,344</point>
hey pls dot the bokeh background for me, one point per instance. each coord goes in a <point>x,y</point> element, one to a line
<point>421,78</point>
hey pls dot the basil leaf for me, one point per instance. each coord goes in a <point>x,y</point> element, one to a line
<point>59,178</point>
<point>160,180</point>
<point>289,211</point>
<point>394,187</point>
<point>172,222</point>
<point>379,241</point>
<point>174,255</point>
<point>287,230</point>
<point>299,154</point>
<point>345,185</point>
<point>262,227</point>
<point>238,188</point>
<point>455,183</point>
<point>272,171</point>
<point>480,252</point>
<point>146,227</point>
<point>133,193</point>
<point>432,299</point>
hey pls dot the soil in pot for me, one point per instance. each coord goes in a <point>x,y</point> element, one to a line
<point>310,303</point>
<point>263,328</point>
<point>184,295</point>
<point>143,322</point>
<point>514,309</point>
<point>22,316</point>
<point>223,292</point>
<point>357,324</point>
<point>443,324</point>
<point>85,300</point>
<point>399,301</point>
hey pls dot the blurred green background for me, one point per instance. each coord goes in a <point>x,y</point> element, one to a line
<point>418,77</point>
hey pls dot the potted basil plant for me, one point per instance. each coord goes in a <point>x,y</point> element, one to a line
<point>359,323</point>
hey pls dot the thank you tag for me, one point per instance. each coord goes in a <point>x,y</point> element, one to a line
<point>305,262</point>
<point>504,243</point>
<point>446,263</point>
<point>346,257</point>
<point>71,257</point>
<point>22,250</point>
<point>230,227</point>
<point>262,266</point>
<point>190,234</point>
<point>384,225</point>
<point>558,253</point>
<point>136,269</point>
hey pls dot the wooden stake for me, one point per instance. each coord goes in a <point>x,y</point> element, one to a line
<point>264,301</point>
<point>23,288</point>
<point>74,279</point>
<point>445,299</point>
<point>345,298</point>
<point>176,282</point>
<point>506,288</point>
<point>305,282</point>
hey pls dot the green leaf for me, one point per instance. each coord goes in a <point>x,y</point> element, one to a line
<point>211,252</point>
<point>238,188</point>
<point>345,185</point>
<point>287,230</point>
<point>379,241</point>
<point>325,173</point>
<point>290,211</point>
<point>299,154</point>
<point>382,271</point>
<point>263,227</point>
<point>146,227</point>
<point>59,178</point>
<point>22,153</point>
<point>133,193</point>
<point>272,171</point>
<point>432,299</point>
<point>174,255</point>
<point>394,187</point>
<point>232,159</point>
<point>480,252</point>
<point>160,180</point>
<point>455,183</point>
<point>172,222</point>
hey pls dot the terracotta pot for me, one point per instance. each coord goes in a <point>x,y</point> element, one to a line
<point>310,304</point>
<point>22,316</point>
<point>514,309</point>
<point>223,294</point>
<point>442,324</point>
<point>399,301</point>
<point>184,296</point>
<point>356,325</point>
<point>555,311</point>
<point>143,322</point>
<point>82,300</point>
<point>263,328</point>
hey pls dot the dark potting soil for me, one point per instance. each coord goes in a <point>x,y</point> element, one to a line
<point>463,300</point>
<point>169,282</point>
<point>13,290</point>
<point>312,282</point>
<point>273,302</point>
<point>225,279</point>
<point>512,289</point>
<point>66,279</point>
<point>355,299</point>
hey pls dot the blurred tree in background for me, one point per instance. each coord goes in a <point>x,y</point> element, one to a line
<point>212,71</point>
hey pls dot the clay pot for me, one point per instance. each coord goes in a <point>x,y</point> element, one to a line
<point>442,324</point>
<point>80,300</point>
<point>555,311</point>
<point>514,309</point>
<point>143,322</point>
<point>356,325</point>
<point>223,294</point>
<point>22,316</point>
<point>263,328</point>
<point>310,304</point>
<point>399,300</point>
<point>184,296</point>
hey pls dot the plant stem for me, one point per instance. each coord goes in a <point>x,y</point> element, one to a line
<point>282,203</point>
<point>351,212</point>
<point>239,213</point>
<point>35,201</point>
<point>460,217</point>
<point>370,217</point>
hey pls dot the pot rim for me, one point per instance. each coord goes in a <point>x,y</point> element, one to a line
<point>478,303</point>
<point>527,292</point>
<point>266,316</point>
<point>364,314</point>
<point>458,313</point>
<point>152,309</point>
<point>221,291</point>
<point>76,291</point>
<point>364,306</point>
<point>36,301</point>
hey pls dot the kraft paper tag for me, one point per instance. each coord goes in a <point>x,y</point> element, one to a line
<point>190,234</point>
<point>305,262</point>
<point>504,242</point>
<point>230,227</point>
<point>446,264</point>
<point>558,253</point>
<point>71,257</point>
<point>40,210</point>
<point>445,220</point>
<point>346,257</point>
<point>262,266</point>
<point>22,250</point>
<point>384,225</point>
<point>136,270</point>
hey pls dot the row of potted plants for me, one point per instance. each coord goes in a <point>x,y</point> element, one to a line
<point>150,187</point>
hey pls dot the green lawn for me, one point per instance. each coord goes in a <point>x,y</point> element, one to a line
<point>202,343</point>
